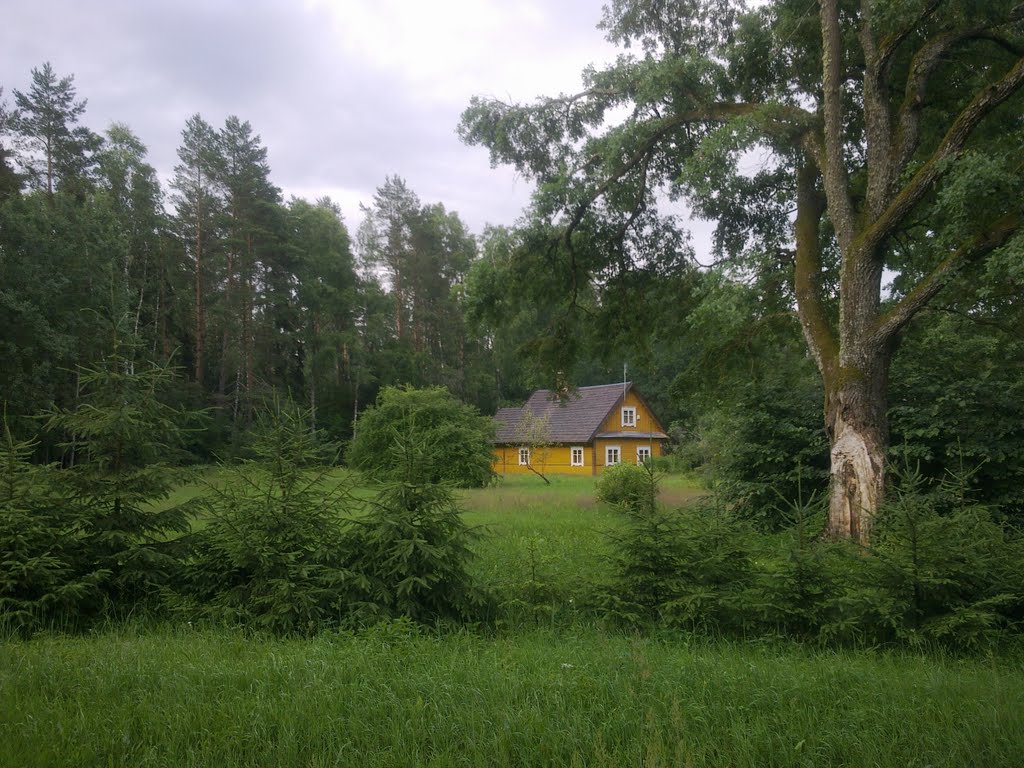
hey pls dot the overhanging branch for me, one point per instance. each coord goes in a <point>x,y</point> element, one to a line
<point>712,113</point>
<point>996,235</point>
<point>951,145</point>
<point>923,66</point>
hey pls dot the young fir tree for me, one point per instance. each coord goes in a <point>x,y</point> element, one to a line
<point>120,440</point>
<point>272,555</point>
<point>40,538</point>
<point>412,546</point>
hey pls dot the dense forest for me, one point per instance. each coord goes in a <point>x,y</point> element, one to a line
<point>215,274</point>
<point>241,293</point>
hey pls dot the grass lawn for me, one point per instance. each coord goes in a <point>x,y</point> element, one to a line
<point>392,697</point>
<point>543,548</point>
<point>545,688</point>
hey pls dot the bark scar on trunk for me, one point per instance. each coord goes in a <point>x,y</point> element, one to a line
<point>857,479</point>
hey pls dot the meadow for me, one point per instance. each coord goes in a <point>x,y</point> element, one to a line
<point>541,688</point>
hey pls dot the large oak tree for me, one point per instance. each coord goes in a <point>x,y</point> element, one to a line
<point>848,140</point>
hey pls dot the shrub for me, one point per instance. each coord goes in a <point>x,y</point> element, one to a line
<point>628,486</point>
<point>797,572</point>
<point>686,568</point>
<point>954,578</point>
<point>767,446</point>
<point>958,396</point>
<point>454,442</point>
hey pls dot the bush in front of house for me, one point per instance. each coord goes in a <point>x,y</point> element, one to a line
<point>628,487</point>
<point>423,436</point>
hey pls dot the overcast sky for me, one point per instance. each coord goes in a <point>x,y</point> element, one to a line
<point>343,92</point>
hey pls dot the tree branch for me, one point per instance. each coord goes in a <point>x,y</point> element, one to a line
<point>817,330</point>
<point>719,112</point>
<point>922,68</point>
<point>877,120</point>
<point>891,44</point>
<point>834,168</point>
<point>994,236</point>
<point>984,102</point>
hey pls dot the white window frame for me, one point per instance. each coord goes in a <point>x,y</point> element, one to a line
<point>524,457</point>
<point>607,455</point>
<point>572,456</point>
<point>631,421</point>
<point>643,452</point>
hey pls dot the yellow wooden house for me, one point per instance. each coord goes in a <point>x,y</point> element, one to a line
<point>581,434</point>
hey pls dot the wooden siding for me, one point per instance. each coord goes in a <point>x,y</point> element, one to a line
<point>558,458</point>
<point>645,421</point>
<point>627,449</point>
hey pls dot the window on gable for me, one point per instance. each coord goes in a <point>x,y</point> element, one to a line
<point>577,457</point>
<point>629,417</point>
<point>612,455</point>
<point>524,457</point>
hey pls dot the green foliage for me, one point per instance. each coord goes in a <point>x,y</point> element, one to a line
<point>453,441</point>
<point>958,399</point>
<point>685,568</point>
<point>273,554</point>
<point>412,548</point>
<point>121,439</point>
<point>627,486</point>
<point>798,574</point>
<point>939,572</point>
<point>289,551</point>
<point>954,578</point>
<point>763,443</point>
<point>40,542</point>
<point>58,150</point>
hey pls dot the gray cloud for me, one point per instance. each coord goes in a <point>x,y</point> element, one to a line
<point>334,121</point>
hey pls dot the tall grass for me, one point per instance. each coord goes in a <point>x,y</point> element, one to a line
<point>394,697</point>
<point>546,687</point>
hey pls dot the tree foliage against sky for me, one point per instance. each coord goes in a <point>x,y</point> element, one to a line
<point>891,129</point>
<point>245,292</point>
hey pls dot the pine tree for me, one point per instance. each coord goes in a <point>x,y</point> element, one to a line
<point>197,203</point>
<point>57,152</point>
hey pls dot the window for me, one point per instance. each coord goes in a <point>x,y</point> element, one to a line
<point>524,457</point>
<point>629,417</point>
<point>577,457</point>
<point>612,455</point>
<point>643,454</point>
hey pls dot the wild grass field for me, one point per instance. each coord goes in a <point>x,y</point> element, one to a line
<point>539,688</point>
<point>392,696</point>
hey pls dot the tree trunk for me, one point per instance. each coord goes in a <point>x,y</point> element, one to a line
<point>200,307</point>
<point>248,322</point>
<point>857,479</point>
<point>857,426</point>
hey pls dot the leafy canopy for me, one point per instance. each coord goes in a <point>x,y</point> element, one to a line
<point>423,436</point>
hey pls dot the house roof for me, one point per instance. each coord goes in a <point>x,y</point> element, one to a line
<point>574,420</point>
